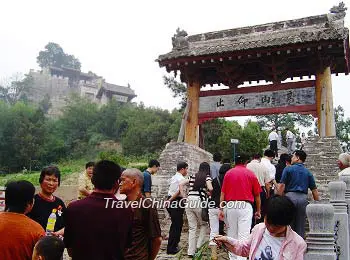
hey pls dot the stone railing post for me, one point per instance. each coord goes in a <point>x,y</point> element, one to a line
<point>337,199</point>
<point>320,239</point>
<point>346,179</point>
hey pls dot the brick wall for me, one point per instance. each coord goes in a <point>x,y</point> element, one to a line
<point>322,155</point>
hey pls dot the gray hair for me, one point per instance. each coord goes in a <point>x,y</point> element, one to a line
<point>136,173</point>
<point>344,158</point>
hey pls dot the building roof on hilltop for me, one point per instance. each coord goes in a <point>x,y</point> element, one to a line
<point>67,71</point>
<point>299,31</point>
<point>116,89</point>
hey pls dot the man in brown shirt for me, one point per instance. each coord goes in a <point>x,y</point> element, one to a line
<point>146,233</point>
<point>18,232</point>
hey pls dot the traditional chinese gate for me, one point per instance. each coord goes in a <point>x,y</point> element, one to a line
<point>312,46</point>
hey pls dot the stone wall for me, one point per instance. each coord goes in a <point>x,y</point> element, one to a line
<point>322,155</point>
<point>172,154</point>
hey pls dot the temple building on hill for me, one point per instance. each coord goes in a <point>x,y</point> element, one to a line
<point>59,83</point>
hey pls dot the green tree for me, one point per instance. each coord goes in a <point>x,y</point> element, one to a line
<point>179,89</point>
<point>53,55</point>
<point>282,121</point>
<point>22,136</point>
<point>147,131</point>
<point>253,138</point>
<point>16,88</point>
<point>342,125</point>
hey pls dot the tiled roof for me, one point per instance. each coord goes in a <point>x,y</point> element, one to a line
<point>310,29</point>
<point>126,91</point>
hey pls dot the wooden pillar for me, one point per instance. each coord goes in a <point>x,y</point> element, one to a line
<point>324,102</point>
<point>191,131</point>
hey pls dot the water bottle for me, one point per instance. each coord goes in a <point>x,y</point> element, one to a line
<point>50,227</point>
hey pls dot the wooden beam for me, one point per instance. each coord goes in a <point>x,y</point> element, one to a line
<point>191,131</point>
<point>324,102</point>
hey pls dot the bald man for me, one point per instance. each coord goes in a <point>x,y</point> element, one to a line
<point>344,164</point>
<point>146,231</point>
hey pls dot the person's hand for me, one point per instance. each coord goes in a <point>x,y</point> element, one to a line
<point>257,215</point>
<point>59,233</point>
<point>221,215</point>
<point>221,242</point>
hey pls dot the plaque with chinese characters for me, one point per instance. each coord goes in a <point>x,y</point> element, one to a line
<point>265,98</point>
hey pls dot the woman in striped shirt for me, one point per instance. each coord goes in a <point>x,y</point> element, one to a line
<point>200,187</point>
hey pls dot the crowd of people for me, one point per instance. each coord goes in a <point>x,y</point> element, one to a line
<point>275,141</point>
<point>255,210</point>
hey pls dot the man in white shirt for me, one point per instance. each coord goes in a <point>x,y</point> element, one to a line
<point>290,140</point>
<point>176,209</point>
<point>262,173</point>
<point>273,140</point>
<point>269,155</point>
<point>344,164</point>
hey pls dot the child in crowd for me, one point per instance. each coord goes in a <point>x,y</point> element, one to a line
<point>48,248</point>
<point>273,239</point>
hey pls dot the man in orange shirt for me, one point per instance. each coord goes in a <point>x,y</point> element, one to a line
<point>18,232</point>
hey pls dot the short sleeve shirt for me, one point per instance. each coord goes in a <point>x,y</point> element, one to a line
<point>297,179</point>
<point>98,227</point>
<point>43,208</point>
<point>18,236</point>
<point>147,182</point>
<point>145,227</point>
<point>84,182</point>
<point>260,171</point>
<point>240,184</point>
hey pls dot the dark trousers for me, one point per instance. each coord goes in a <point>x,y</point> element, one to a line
<point>274,147</point>
<point>176,215</point>
<point>263,202</point>
<point>300,201</point>
<point>222,228</point>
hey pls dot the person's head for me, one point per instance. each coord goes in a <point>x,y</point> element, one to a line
<point>48,248</point>
<point>89,168</point>
<point>223,169</point>
<point>287,129</point>
<point>106,176</point>
<point>280,212</point>
<point>182,168</point>
<point>343,161</point>
<point>298,156</point>
<point>19,197</point>
<point>50,179</point>
<point>217,157</point>
<point>226,160</point>
<point>269,154</point>
<point>153,166</point>
<point>242,159</point>
<point>256,156</point>
<point>285,158</point>
<point>201,175</point>
<point>131,181</point>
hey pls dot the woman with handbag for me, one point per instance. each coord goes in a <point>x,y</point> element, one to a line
<point>200,186</point>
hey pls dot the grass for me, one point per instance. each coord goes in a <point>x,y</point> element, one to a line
<point>66,168</point>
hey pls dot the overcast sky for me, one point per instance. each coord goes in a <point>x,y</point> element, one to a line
<point>120,40</point>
